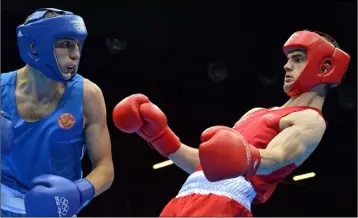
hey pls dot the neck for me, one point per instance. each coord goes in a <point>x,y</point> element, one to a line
<point>34,82</point>
<point>313,98</point>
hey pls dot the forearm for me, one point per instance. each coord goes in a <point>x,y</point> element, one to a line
<point>186,158</point>
<point>271,160</point>
<point>101,177</point>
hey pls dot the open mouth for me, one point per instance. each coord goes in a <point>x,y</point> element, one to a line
<point>70,69</point>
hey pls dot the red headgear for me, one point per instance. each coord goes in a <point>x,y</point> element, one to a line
<point>325,63</point>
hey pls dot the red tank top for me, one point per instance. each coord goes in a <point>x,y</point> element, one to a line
<point>259,128</point>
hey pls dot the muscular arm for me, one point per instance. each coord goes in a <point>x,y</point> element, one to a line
<point>293,144</point>
<point>186,158</point>
<point>97,138</point>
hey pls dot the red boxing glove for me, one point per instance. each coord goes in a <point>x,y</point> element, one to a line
<point>225,154</point>
<point>137,114</point>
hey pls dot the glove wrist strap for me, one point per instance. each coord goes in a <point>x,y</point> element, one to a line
<point>255,162</point>
<point>87,191</point>
<point>167,143</point>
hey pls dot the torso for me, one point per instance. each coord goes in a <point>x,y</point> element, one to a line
<point>49,133</point>
<point>270,122</point>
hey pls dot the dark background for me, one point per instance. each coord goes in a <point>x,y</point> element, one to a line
<point>169,46</point>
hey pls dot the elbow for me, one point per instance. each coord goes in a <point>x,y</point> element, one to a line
<point>110,177</point>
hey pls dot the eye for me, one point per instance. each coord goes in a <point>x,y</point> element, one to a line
<point>298,59</point>
<point>68,44</point>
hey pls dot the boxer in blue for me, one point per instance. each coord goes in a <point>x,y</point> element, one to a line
<point>56,115</point>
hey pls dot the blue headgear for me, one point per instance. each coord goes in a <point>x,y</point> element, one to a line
<point>36,39</point>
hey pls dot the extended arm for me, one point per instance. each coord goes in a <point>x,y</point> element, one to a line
<point>187,158</point>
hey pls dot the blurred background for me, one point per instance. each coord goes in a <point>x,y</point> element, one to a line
<point>206,63</point>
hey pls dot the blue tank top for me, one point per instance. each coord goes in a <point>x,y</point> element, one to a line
<point>52,145</point>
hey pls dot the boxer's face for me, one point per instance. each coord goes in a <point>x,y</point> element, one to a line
<point>296,61</point>
<point>67,52</point>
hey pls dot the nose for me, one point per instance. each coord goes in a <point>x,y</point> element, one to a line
<point>288,66</point>
<point>75,53</point>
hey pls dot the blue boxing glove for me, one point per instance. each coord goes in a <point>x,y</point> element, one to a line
<point>7,134</point>
<point>57,196</point>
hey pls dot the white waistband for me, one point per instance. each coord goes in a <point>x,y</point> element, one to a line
<point>12,200</point>
<point>238,189</point>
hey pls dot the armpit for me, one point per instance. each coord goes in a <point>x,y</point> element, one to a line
<point>307,117</point>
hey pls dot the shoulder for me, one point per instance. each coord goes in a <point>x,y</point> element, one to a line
<point>308,119</point>
<point>93,102</point>
<point>92,95</point>
<point>308,116</point>
<point>91,90</point>
<point>252,111</point>
<point>89,85</point>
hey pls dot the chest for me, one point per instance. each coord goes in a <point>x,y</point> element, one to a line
<point>259,129</point>
<point>32,109</point>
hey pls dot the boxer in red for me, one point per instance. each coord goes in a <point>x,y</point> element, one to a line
<point>240,165</point>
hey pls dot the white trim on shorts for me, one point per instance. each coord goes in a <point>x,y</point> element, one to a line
<point>238,189</point>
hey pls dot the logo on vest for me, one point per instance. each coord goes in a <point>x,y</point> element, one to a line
<point>66,121</point>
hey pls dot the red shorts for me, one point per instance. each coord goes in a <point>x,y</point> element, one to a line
<point>205,205</point>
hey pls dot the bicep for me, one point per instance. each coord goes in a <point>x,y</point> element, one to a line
<point>294,144</point>
<point>98,143</point>
<point>96,130</point>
